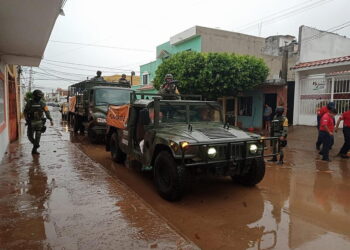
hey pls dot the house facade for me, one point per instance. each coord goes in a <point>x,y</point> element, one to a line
<point>277,51</point>
<point>321,75</point>
<point>24,32</point>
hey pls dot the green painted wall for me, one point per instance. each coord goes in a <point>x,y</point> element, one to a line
<point>256,120</point>
<point>194,44</point>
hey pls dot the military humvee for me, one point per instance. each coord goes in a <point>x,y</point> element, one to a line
<point>179,139</point>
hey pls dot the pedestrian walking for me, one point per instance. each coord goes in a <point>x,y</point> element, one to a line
<point>320,112</point>
<point>345,117</point>
<point>279,128</point>
<point>326,133</point>
<point>267,117</point>
<point>33,114</point>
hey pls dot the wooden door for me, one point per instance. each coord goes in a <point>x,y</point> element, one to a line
<point>13,125</point>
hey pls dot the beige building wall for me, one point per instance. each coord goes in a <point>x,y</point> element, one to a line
<point>214,40</point>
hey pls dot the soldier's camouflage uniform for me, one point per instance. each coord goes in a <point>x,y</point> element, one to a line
<point>279,128</point>
<point>34,115</point>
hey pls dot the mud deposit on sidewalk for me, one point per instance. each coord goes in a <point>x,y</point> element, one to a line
<point>63,200</point>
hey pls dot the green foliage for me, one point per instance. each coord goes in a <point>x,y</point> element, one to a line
<point>213,74</point>
<point>28,96</point>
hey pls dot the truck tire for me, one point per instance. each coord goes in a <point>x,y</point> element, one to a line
<point>170,178</point>
<point>255,174</point>
<point>117,154</point>
<point>93,138</point>
<point>78,125</point>
<point>75,124</point>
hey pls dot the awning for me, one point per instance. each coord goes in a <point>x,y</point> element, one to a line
<point>25,29</point>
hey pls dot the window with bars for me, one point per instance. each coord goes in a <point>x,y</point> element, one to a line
<point>245,106</point>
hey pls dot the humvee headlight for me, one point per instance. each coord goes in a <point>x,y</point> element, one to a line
<point>253,148</point>
<point>101,120</point>
<point>184,144</point>
<point>211,153</point>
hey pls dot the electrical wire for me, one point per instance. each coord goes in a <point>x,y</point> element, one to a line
<point>331,30</point>
<point>102,46</point>
<point>86,65</point>
<point>289,12</point>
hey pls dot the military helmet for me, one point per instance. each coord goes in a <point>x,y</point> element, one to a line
<point>38,93</point>
<point>167,76</point>
<point>279,110</point>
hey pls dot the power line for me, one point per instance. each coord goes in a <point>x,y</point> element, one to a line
<point>277,16</point>
<point>102,46</point>
<point>82,69</point>
<point>86,65</point>
<point>330,30</point>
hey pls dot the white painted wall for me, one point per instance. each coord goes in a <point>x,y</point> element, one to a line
<point>318,45</point>
<point>4,135</point>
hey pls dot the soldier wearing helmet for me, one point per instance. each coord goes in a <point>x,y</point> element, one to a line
<point>124,81</point>
<point>33,113</point>
<point>279,128</point>
<point>168,89</point>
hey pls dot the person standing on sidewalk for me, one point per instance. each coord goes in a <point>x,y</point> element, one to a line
<point>279,128</point>
<point>345,117</point>
<point>33,114</point>
<point>326,133</point>
<point>320,112</point>
<point>267,117</point>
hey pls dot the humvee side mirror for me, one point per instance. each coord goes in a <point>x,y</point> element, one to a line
<point>144,117</point>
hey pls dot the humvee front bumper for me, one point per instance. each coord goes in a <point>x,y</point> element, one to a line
<point>231,152</point>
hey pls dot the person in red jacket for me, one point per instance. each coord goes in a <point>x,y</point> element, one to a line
<point>320,112</point>
<point>345,117</point>
<point>326,133</point>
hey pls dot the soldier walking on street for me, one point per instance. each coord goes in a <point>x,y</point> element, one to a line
<point>33,114</point>
<point>279,128</point>
<point>345,117</point>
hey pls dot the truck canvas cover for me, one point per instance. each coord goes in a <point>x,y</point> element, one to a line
<point>117,116</point>
<point>71,102</point>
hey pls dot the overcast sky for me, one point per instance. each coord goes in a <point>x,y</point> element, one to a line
<point>136,27</point>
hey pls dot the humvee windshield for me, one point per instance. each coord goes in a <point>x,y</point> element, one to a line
<point>111,96</point>
<point>198,112</point>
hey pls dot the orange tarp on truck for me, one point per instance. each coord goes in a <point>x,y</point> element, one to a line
<point>71,102</point>
<point>117,116</point>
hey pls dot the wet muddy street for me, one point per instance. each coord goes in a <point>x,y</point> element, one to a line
<point>74,196</point>
<point>64,200</point>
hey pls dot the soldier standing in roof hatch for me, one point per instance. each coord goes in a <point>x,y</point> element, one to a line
<point>33,114</point>
<point>168,89</point>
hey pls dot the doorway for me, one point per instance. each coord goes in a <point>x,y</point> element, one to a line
<point>13,123</point>
<point>290,102</point>
<point>271,100</point>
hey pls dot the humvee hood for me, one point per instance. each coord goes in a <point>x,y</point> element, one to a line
<point>211,132</point>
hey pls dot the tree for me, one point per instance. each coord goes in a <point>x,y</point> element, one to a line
<point>213,75</point>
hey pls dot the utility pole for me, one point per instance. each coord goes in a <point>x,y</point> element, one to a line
<point>30,79</point>
<point>284,70</point>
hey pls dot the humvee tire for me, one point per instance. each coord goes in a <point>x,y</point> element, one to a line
<point>255,174</point>
<point>93,138</point>
<point>170,178</point>
<point>117,155</point>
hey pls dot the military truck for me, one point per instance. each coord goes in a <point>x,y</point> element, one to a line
<point>179,139</point>
<point>88,102</point>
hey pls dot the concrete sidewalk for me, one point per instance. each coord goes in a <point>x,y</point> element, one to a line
<point>63,200</point>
